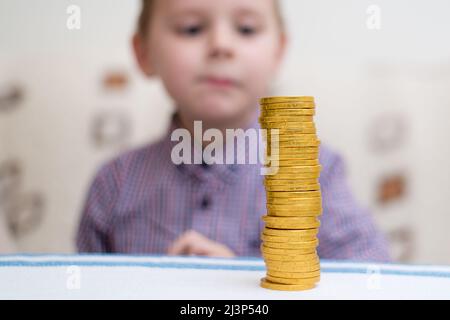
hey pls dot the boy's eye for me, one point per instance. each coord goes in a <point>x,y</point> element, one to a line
<point>191,30</point>
<point>247,30</point>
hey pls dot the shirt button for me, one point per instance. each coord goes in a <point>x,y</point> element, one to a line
<point>206,203</point>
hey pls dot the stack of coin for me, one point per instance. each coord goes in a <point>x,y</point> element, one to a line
<point>294,200</point>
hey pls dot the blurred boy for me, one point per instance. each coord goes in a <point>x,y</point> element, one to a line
<point>215,59</point>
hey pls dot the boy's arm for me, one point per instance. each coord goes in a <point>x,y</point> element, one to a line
<point>92,235</point>
<point>347,231</point>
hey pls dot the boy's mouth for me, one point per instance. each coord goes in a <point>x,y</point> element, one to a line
<point>221,82</point>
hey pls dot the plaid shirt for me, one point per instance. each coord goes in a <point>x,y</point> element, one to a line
<point>141,202</point>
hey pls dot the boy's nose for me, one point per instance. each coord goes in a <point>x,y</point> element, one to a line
<point>221,42</point>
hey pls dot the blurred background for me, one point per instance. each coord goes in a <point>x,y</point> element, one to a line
<point>71,98</point>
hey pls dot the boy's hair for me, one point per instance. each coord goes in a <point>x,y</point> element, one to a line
<point>147,10</point>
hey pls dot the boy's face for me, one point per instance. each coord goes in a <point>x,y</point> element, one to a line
<point>215,58</point>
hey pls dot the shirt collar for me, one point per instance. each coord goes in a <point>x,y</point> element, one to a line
<point>225,172</point>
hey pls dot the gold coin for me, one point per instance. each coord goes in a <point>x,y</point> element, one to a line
<point>306,187</point>
<point>315,279</point>
<point>287,131</point>
<point>287,252</point>
<point>301,267</point>
<point>288,105</point>
<point>294,275</point>
<point>297,225</point>
<point>288,142</point>
<point>312,203</point>
<point>279,209</point>
<point>292,267</point>
<point>291,257</point>
<point>286,221</point>
<point>297,201</point>
<point>289,156</point>
<point>294,151</point>
<point>293,177</point>
<point>288,125</point>
<point>287,112</point>
<point>301,169</point>
<point>303,203</point>
<point>313,258</point>
<point>272,135</point>
<point>300,226</point>
<point>299,173</point>
<point>284,98</point>
<point>274,198</point>
<point>289,195</point>
<point>296,163</point>
<point>276,222</point>
<point>284,125</point>
<point>284,182</point>
<point>286,119</point>
<point>266,284</point>
<point>297,257</point>
<point>300,143</point>
<point>289,136</point>
<point>265,237</point>
<point>287,206</point>
<point>287,108</point>
<point>289,233</point>
<point>292,245</point>
<point>293,144</point>
<point>295,213</point>
<point>299,208</point>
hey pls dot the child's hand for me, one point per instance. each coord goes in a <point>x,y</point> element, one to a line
<point>193,243</point>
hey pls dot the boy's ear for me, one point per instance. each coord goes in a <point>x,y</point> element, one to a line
<point>142,55</point>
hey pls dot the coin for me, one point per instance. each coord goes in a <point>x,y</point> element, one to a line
<point>294,151</point>
<point>302,203</point>
<point>288,125</point>
<point>284,182</point>
<point>289,195</point>
<point>270,238</point>
<point>294,257</point>
<point>294,144</point>
<point>296,163</point>
<point>292,245</point>
<point>297,266</point>
<point>293,177</point>
<point>279,280</point>
<point>287,98</point>
<point>287,252</point>
<point>286,287</point>
<point>306,187</point>
<point>277,111</point>
<point>284,232</point>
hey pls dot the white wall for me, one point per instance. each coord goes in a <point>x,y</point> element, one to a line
<point>356,74</point>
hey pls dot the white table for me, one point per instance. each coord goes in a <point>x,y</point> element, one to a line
<point>159,277</point>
